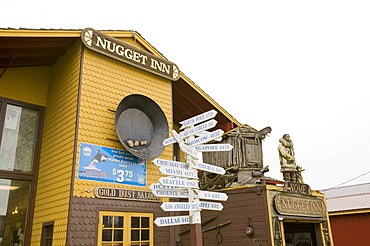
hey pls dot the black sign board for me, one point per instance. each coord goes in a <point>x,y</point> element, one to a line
<point>298,188</point>
<point>124,194</point>
<point>124,52</point>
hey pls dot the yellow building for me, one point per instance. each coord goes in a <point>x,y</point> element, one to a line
<point>65,176</point>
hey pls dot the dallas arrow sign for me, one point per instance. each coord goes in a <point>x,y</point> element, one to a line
<point>174,220</point>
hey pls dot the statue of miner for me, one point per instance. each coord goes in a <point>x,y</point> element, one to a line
<point>287,159</point>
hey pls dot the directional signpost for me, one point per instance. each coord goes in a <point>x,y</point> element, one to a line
<point>183,177</point>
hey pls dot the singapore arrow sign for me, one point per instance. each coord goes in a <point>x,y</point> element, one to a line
<point>213,147</point>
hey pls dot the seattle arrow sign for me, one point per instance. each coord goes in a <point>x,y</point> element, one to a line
<point>179,206</point>
<point>192,131</point>
<point>213,147</point>
<point>198,119</point>
<point>178,182</point>
<point>170,221</point>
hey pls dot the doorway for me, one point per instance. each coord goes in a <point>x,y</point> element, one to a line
<point>299,234</point>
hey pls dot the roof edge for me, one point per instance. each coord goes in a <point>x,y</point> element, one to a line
<point>208,98</point>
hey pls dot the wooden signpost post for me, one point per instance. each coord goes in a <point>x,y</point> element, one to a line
<point>183,180</point>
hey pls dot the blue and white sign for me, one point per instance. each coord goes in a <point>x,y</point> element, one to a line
<point>105,164</point>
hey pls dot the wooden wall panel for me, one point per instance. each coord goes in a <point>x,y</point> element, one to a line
<point>243,204</point>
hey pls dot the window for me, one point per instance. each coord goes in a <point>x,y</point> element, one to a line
<point>47,234</point>
<point>124,229</point>
<point>20,137</point>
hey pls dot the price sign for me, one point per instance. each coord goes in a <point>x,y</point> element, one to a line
<point>105,164</point>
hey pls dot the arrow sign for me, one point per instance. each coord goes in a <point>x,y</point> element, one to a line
<point>208,195</point>
<point>209,168</point>
<point>206,138</point>
<point>182,193</point>
<point>161,162</point>
<point>179,172</point>
<point>214,147</point>
<point>198,119</point>
<point>211,206</point>
<point>207,132</point>
<point>188,150</point>
<point>192,131</point>
<point>159,186</point>
<point>178,182</point>
<point>170,221</point>
<point>179,206</point>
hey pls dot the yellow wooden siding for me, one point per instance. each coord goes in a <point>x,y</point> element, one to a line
<point>105,83</point>
<point>54,179</point>
<point>26,84</point>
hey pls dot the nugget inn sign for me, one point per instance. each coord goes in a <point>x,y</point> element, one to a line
<point>124,52</point>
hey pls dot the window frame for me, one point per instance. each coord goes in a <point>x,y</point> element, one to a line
<point>25,176</point>
<point>45,236</point>
<point>126,225</point>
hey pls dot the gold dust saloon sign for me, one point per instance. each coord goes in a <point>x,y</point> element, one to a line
<point>124,52</point>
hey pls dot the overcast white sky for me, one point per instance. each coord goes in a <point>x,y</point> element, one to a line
<point>301,67</point>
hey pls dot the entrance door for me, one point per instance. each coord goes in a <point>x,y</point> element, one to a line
<point>299,234</point>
